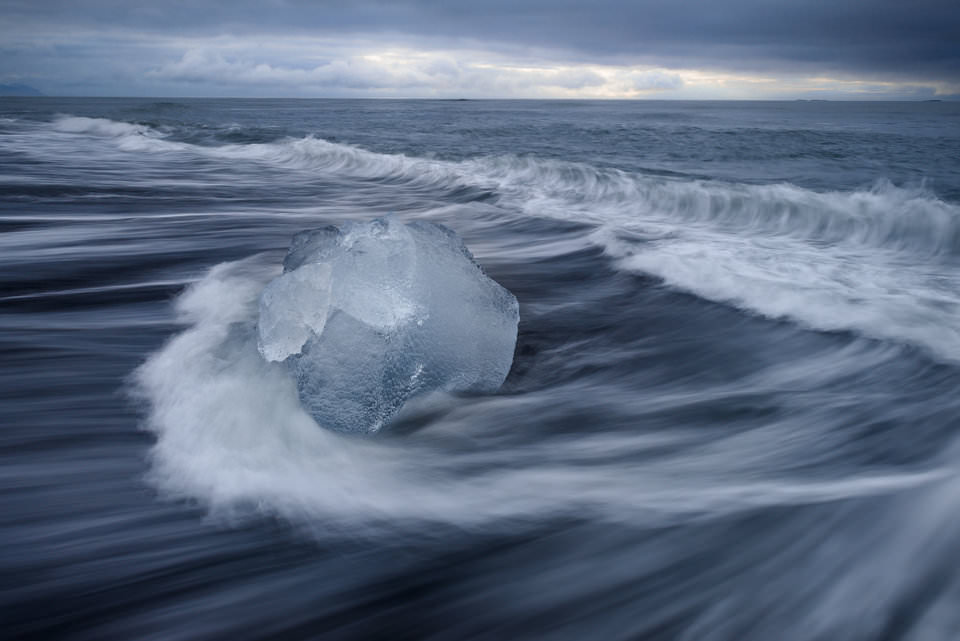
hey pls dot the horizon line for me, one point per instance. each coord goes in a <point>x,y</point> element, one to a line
<point>947,98</point>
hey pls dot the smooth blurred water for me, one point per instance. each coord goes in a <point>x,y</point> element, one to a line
<point>732,413</point>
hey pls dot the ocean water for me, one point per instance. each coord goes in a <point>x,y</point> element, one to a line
<point>732,415</point>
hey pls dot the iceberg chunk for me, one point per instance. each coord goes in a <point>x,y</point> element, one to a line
<point>283,330</point>
<point>371,314</point>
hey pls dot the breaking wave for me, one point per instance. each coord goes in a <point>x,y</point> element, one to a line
<point>731,411</point>
<point>231,432</point>
<point>834,261</point>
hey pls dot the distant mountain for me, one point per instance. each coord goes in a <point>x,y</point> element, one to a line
<point>18,90</point>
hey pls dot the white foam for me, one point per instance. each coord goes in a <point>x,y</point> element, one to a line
<point>232,434</point>
<point>883,261</point>
<point>100,127</point>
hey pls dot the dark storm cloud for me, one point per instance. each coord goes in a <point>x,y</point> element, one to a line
<point>918,38</point>
<point>500,48</point>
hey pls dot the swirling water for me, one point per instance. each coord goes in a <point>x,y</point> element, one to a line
<point>732,413</point>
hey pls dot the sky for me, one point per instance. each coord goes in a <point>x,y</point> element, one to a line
<point>660,49</point>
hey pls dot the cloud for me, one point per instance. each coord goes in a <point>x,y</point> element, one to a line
<point>655,80</point>
<point>212,68</point>
<point>851,35</point>
<point>624,48</point>
<point>416,72</point>
<point>571,79</point>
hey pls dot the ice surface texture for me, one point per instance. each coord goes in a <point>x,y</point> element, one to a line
<point>370,314</point>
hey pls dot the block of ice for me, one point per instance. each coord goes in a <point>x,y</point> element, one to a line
<point>283,329</point>
<point>368,315</point>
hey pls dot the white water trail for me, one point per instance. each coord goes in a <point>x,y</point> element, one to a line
<point>231,432</point>
<point>883,262</point>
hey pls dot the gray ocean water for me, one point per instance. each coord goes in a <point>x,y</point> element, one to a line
<point>732,413</point>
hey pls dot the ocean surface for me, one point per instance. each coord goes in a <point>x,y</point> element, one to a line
<point>733,412</point>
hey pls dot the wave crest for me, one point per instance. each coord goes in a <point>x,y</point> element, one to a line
<point>880,261</point>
